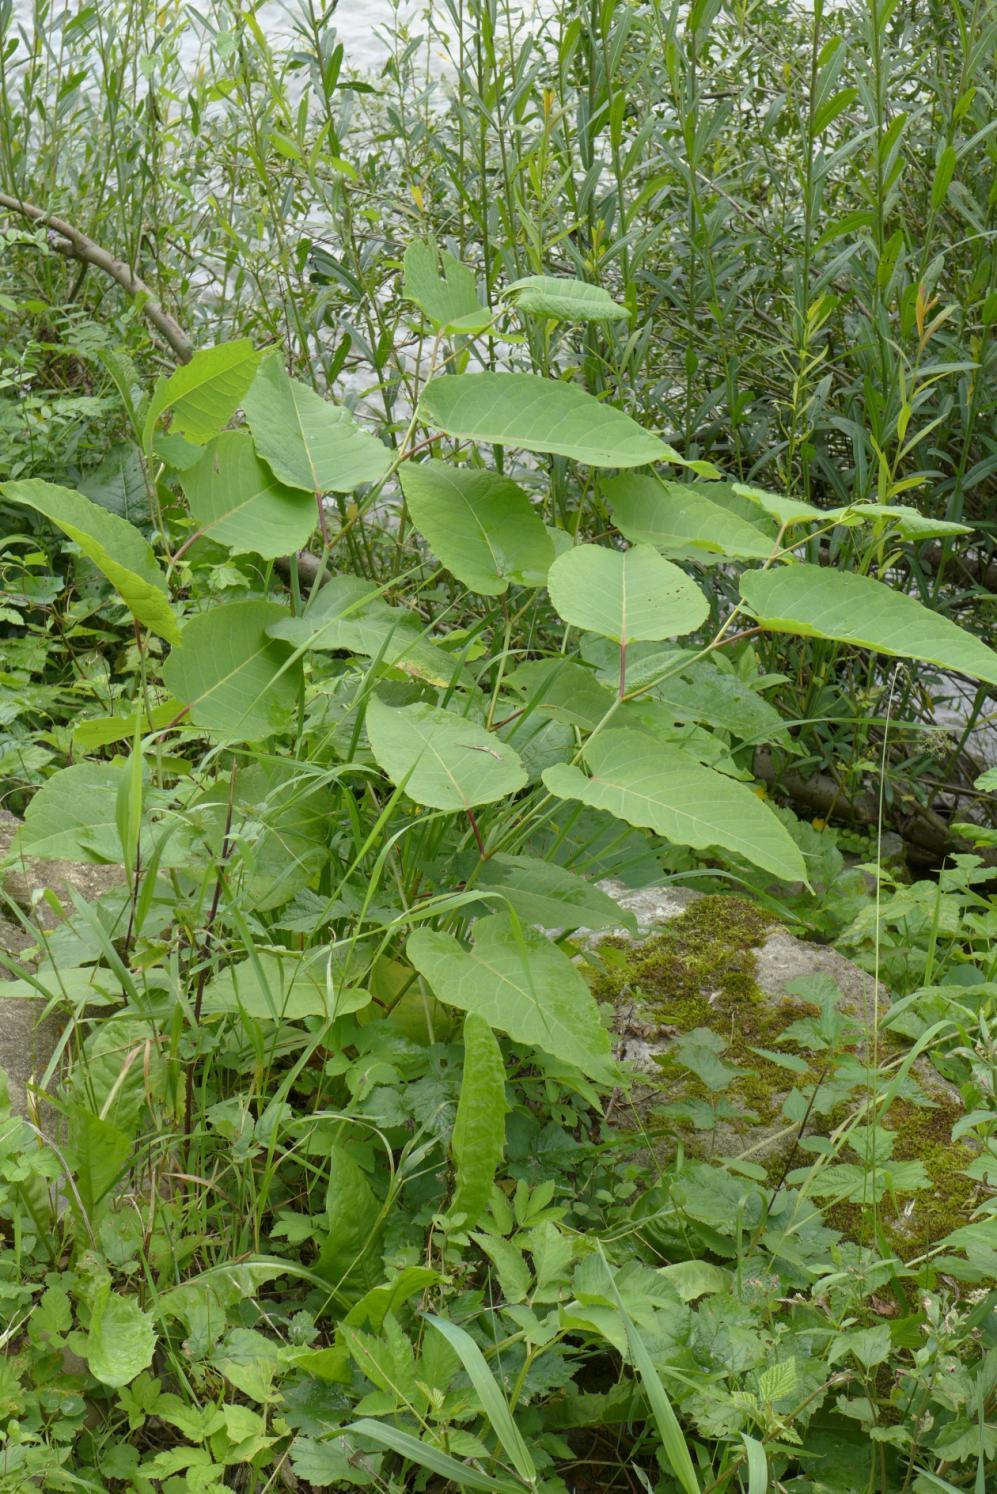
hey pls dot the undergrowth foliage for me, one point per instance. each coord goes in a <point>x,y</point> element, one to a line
<point>372,710</point>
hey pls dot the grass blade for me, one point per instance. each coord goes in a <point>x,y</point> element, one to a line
<point>490,1396</point>
<point>427,1456</point>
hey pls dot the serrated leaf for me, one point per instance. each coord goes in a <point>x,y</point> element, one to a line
<point>121,1340</point>
<point>203,394</point>
<point>478,1140</point>
<point>538,414</point>
<point>238,502</point>
<point>681,518</point>
<point>665,790</point>
<point>115,547</point>
<point>441,759</point>
<point>779,1380</point>
<point>237,680</point>
<point>549,896</point>
<point>522,984</point>
<point>822,603</point>
<point>625,595</point>
<point>307,442</point>
<point>565,299</point>
<point>480,525</point>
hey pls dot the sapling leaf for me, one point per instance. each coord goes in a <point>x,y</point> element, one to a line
<point>238,502</point>
<point>239,683</point>
<point>564,299</point>
<point>306,441</point>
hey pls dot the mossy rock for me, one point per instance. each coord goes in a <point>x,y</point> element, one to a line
<point>718,1008</point>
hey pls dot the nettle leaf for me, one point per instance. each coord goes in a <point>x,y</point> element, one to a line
<point>307,442</point>
<point>682,517</point>
<point>625,595</point>
<point>238,502</point>
<point>444,289</point>
<point>565,299</point>
<point>478,1140</point>
<point>205,393</point>
<point>238,682</point>
<point>115,547</point>
<point>121,1340</point>
<point>440,759</point>
<point>538,414</point>
<point>521,983</point>
<point>823,603</point>
<point>480,525</point>
<point>349,614</point>
<point>662,788</point>
<point>551,896</point>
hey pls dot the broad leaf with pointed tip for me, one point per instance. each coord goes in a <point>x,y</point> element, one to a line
<point>681,517</point>
<point>440,759</point>
<point>205,393</point>
<point>444,289</point>
<point>287,987</point>
<point>565,299</point>
<point>307,442</point>
<point>551,896</point>
<point>238,502</point>
<point>480,525</point>
<point>521,983</point>
<point>662,788</point>
<point>625,595</point>
<point>115,547</point>
<point>786,511</point>
<point>238,682</point>
<point>823,603</point>
<point>538,414</point>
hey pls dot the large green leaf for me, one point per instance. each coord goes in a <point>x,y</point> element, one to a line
<point>480,525</point>
<point>237,501</point>
<point>551,896</point>
<point>625,594</point>
<point>114,546</point>
<point>565,299</point>
<point>441,759</point>
<point>525,410</point>
<point>349,1252</point>
<point>74,814</point>
<point>237,680</point>
<point>349,614</point>
<point>785,511</point>
<point>203,394</point>
<point>306,441</point>
<point>121,1340</point>
<point>663,789</point>
<point>478,1140</point>
<point>681,518</point>
<point>286,987</point>
<point>443,288</point>
<point>823,603</point>
<point>521,983</point>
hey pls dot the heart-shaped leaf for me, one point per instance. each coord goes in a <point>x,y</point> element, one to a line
<point>307,442</point>
<point>625,594</point>
<point>441,759</point>
<point>237,501</point>
<point>480,525</point>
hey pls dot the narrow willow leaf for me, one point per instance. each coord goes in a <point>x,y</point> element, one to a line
<point>307,442</point>
<point>823,603</point>
<point>682,518</point>
<point>565,299</point>
<point>665,790</point>
<point>521,983</point>
<point>205,393</point>
<point>444,289</point>
<point>115,547</point>
<point>537,414</point>
<point>237,681</point>
<point>121,1340</point>
<point>550,896</point>
<point>238,502</point>
<point>480,525</point>
<point>478,1140</point>
<point>425,1455</point>
<point>441,759</point>
<point>625,595</point>
<point>492,1400</point>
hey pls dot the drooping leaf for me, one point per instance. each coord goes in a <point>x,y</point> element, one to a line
<point>444,289</point>
<point>307,442</point>
<point>203,394</point>
<point>480,525</point>
<point>349,614</point>
<point>489,1393</point>
<point>118,484</point>
<point>281,988</point>
<point>565,299</point>
<point>74,814</point>
<point>441,759</point>
<point>237,680</point>
<point>665,790</point>
<point>121,1340</point>
<point>537,414</point>
<point>625,594</point>
<point>785,511</point>
<point>681,518</point>
<point>478,1140</point>
<point>521,983</point>
<point>349,1253</point>
<point>426,1455</point>
<point>101,731</point>
<point>907,521</point>
<point>550,896</point>
<point>115,547</point>
<point>823,603</point>
<point>238,502</point>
